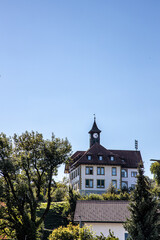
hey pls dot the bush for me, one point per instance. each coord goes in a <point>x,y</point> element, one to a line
<point>111,189</point>
<point>72,232</point>
<point>59,195</point>
<point>93,196</point>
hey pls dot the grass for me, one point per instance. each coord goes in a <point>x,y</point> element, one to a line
<point>55,217</point>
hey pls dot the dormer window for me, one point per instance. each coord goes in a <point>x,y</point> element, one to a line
<point>89,157</point>
<point>112,158</point>
<point>100,157</point>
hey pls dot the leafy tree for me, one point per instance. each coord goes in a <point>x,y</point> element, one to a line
<point>72,199</point>
<point>27,165</point>
<point>60,190</point>
<point>144,221</point>
<point>155,169</point>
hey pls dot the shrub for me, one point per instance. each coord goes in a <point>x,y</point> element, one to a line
<point>71,232</point>
<point>94,196</point>
<point>111,189</point>
<point>59,195</point>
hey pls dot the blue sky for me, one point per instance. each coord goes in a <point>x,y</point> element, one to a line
<point>61,61</point>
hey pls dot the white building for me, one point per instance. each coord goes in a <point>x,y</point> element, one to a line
<point>92,171</point>
<point>103,216</point>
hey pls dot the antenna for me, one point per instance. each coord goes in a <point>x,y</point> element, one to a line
<point>136,145</point>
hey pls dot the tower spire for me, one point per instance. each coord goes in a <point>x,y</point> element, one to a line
<point>94,117</point>
<point>94,133</point>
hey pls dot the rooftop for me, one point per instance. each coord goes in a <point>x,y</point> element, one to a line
<point>101,211</point>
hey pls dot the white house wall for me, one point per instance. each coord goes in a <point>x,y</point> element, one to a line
<point>75,181</point>
<point>107,177</point>
<point>104,228</point>
<point>131,180</point>
<point>79,179</point>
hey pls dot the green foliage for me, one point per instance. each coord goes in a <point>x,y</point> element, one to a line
<point>155,169</point>
<point>27,166</point>
<point>86,233</point>
<point>110,237</point>
<point>144,221</point>
<point>106,196</point>
<point>65,233</point>
<point>93,196</point>
<point>72,232</point>
<point>72,198</point>
<point>55,216</point>
<point>111,189</point>
<point>59,194</point>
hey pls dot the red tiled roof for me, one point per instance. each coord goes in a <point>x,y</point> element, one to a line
<point>101,211</point>
<point>74,158</point>
<point>125,158</point>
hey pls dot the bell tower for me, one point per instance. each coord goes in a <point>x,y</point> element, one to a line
<point>94,133</point>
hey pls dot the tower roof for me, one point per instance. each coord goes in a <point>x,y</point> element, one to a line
<point>94,129</point>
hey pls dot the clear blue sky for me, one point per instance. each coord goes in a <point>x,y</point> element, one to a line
<point>61,61</point>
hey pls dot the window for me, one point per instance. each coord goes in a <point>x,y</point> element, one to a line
<point>100,170</point>
<point>124,185</point>
<point>89,157</point>
<point>100,157</point>
<point>89,170</point>
<point>133,174</point>
<point>124,173</point>
<point>111,158</point>
<point>89,183</point>
<point>133,186</point>
<point>114,183</point>
<point>100,183</point>
<point>114,171</point>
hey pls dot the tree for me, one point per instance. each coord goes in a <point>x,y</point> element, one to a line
<point>73,196</point>
<point>144,220</point>
<point>27,165</point>
<point>155,169</point>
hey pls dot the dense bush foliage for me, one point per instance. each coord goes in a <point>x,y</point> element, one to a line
<point>72,232</point>
<point>106,196</point>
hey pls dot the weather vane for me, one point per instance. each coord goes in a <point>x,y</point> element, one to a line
<point>94,117</point>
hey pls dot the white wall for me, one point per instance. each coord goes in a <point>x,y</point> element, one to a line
<point>107,177</point>
<point>75,181</point>
<point>131,180</point>
<point>117,228</point>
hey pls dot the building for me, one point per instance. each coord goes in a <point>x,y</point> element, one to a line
<point>103,216</point>
<point>92,171</point>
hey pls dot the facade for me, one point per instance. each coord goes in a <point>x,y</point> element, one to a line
<point>103,216</point>
<point>92,171</point>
